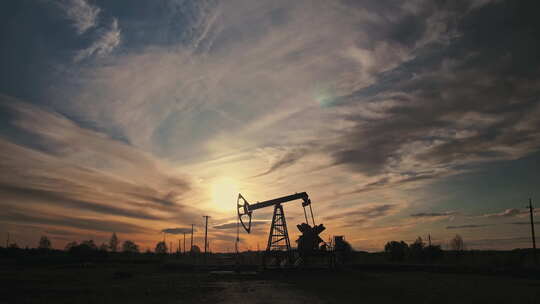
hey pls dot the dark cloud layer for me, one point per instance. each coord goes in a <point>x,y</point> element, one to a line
<point>450,100</point>
<point>286,160</point>
<point>361,215</point>
<point>434,214</point>
<point>512,212</point>
<point>178,230</point>
<point>466,226</point>
<point>234,224</point>
<point>524,223</point>
<point>91,224</point>
<point>63,199</point>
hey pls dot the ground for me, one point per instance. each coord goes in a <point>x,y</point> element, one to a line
<point>160,283</point>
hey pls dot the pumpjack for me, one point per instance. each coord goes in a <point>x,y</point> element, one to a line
<point>278,238</point>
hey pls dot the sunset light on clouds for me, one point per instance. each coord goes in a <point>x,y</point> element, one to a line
<point>399,119</point>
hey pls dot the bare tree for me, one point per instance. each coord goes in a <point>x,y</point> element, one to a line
<point>457,243</point>
<point>44,243</point>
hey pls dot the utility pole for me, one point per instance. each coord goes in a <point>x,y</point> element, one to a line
<point>184,242</point>
<point>205,233</point>
<point>429,239</point>
<point>531,211</point>
<point>170,250</point>
<point>191,248</point>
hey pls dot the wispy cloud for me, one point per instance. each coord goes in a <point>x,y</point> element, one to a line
<point>512,212</point>
<point>83,14</point>
<point>361,215</point>
<point>66,169</point>
<point>467,226</point>
<point>434,214</point>
<point>285,160</point>
<point>86,223</point>
<point>406,94</point>
<point>106,42</point>
<point>500,243</point>
<point>232,225</point>
<point>178,230</point>
<point>63,198</point>
<point>524,223</point>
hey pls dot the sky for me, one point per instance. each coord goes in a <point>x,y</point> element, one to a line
<point>398,118</point>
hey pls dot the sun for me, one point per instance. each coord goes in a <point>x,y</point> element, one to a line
<point>224,193</point>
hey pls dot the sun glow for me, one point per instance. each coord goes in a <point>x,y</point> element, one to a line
<point>224,193</point>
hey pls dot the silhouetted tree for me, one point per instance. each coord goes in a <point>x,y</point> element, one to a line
<point>44,243</point>
<point>416,249</point>
<point>90,244</point>
<point>456,243</point>
<point>13,246</point>
<point>433,251</point>
<point>70,245</point>
<point>113,242</point>
<point>397,250</point>
<point>161,248</point>
<point>84,249</point>
<point>130,247</point>
<point>104,247</point>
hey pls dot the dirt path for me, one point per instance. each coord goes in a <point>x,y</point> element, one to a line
<point>260,292</point>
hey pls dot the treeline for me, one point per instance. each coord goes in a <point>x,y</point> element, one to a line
<point>418,250</point>
<point>89,248</point>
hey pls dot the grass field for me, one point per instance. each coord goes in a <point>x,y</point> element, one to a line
<point>162,281</point>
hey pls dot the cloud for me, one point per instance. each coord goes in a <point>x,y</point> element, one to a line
<point>405,95</point>
<point>232,225</point>
<point>394,180</point>
<point>501,243</point>
<point>287,159</point>
<point>178,230</point>
<point>58,166</point>
<point>439,110</point>
<point>92,224</point>
<point>59,232</point>
<point>108,40</point>
<point>434,214</point>
<point>62,198</point>
<point>466,226</point>
<point>83,14</point>
<point>524,223</point>
<point>363,214</point>
<point>506,213</point>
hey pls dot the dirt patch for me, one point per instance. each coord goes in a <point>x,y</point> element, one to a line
<point>261,292</point>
